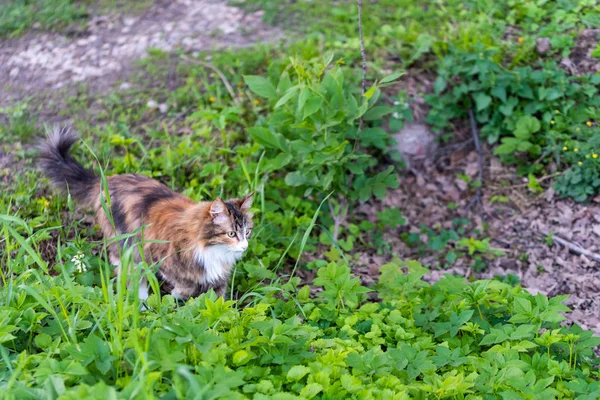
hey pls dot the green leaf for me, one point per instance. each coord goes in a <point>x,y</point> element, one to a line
<point>482,101</point>
<point>287,97</point>
<point>374,137</point>
<point>524,146</point>
<point>284,84</point>
<point>43,340</point>
<point>297,372</point>
<point>241,357</point>
<point>369,93</point>
<point>312,106</point>
<point>261,86</point>
<point>364,193</point>
<point>266,138</point>
<point>303,97</point>
<point>549,94</point>
<point>500,93</point>
<point>508,108</point>
<point>505,149</point>
<point>439,85</point>
<point>391,77</point>
<point>6,337</point>
<point>297,178</point>
<point>526,126</point>
<point>379,190</point>
<point>311,390</point>
<point>377,112</point>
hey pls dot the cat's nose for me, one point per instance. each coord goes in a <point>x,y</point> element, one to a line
<point>244,245</point>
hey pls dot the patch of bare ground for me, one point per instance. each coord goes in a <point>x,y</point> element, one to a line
<point>111,44</point>
<point>580,61</point>
<point>519,227</point>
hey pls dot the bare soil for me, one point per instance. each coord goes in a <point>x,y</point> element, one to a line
<point>111,44</point>
<point>519,228</point>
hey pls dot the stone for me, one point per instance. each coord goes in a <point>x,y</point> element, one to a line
<point>542,45</point>
<point>416,143</point>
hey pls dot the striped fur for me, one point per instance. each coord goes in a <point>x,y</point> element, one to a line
<point>199,242</point>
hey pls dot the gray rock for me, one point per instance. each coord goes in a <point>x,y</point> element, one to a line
<point>416,144</point>
<point>542,45</point>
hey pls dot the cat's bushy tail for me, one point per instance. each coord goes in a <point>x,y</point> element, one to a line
<point>63,170</point>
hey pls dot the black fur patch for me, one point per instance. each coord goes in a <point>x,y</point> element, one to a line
<point>64,172</point>
<point>165,286</point>
<point>118,216</point>
<point>238,218</point>
<point>148,200</point>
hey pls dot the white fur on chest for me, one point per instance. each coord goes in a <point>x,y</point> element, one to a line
<point>217,262</point>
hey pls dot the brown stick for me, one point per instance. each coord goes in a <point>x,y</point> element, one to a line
<point>363,54</point>
<point>477,198</point>
<point>574,248</point>
<point>522,185</point>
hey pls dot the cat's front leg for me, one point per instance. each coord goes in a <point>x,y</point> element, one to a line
<point>221,291</point>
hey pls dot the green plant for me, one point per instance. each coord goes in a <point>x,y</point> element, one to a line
<point>312,129</point>
<point>20,123</point>
<point>420,340</point>
<point>535,114</point>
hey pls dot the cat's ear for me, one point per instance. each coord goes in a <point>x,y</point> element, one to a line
<point>217,211</point>
<point>246,202</point>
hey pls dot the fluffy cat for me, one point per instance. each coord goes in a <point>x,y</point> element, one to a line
<point>199,242</point>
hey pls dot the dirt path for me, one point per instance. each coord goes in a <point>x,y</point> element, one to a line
<point>107,50</point>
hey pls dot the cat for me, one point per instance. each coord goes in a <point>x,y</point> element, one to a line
<point>195,244</point>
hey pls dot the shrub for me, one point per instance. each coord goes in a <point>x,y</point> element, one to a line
<point>312,129</point>
<point>534,114</point>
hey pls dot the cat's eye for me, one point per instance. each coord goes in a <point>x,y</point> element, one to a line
<point>231,234</point>
<point>248,232</point>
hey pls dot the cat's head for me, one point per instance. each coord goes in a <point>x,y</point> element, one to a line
<point>229,223</point>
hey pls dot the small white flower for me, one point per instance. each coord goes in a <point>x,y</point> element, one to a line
<point>396,115</point>
<point>80,266</point>
<point>396,103</point>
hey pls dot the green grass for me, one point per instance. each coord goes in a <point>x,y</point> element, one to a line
<point>71,330</point>
<point>18,16</point>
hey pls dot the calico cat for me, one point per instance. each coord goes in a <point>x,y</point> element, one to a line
<point>195,244</point>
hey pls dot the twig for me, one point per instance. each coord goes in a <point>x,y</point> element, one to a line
<point>337,219</point>
<point>218,72</point>
<point>363,55</point>
<point>456,145</point>
<point>477,198</point>
<point>574,248</point>
<point>521,185</point>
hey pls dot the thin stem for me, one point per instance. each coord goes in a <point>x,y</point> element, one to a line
<point>362,48</point>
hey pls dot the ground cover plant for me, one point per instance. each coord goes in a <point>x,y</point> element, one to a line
<point>292,123</point>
